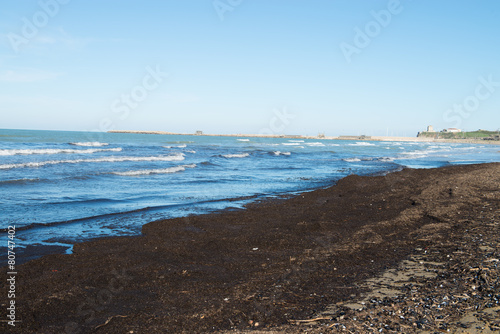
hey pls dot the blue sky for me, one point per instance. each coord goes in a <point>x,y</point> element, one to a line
<point>232,66</point>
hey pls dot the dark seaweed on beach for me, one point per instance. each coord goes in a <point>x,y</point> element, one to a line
<point>412,251</point>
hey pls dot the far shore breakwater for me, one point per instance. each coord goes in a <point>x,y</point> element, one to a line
<point>362,137</point>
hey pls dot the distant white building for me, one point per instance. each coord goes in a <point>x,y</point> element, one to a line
<point>452,130</point>
<point>430,128</point>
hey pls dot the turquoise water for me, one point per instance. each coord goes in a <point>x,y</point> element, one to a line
<point>59,188</point>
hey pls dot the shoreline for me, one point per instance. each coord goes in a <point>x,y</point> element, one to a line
<point>357,138</point>
<point>276,265</point>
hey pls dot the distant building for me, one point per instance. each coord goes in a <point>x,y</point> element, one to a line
<point>430,128</point>
<point>198,133</point>
<point>452,130</point>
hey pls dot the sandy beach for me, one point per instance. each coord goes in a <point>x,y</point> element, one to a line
<point>415,251</point>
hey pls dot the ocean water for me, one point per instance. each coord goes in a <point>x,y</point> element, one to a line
<point>59,188</point>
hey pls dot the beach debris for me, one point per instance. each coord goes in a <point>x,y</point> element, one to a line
<point>434,290</point>
<point>311,320</point>
<point>109,319</point>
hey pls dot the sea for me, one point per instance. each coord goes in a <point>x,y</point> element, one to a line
<point>59,188</point>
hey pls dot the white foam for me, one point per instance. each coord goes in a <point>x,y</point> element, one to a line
<point>178,146</point>
<point>92,144</point>
<point>281,153</point>
<point>362,143</point>
<point>190,151</point>
<point>315,144</point>
<point>414,154</point>
<point>351,160</point>
<point>169,170</point>
<point>291,144</point>
<point>242,155</point>
<point>56,151</point>
<point>441,150</point>
<point>243,139</point>
<point>178,157</point>
<point>418,153</point>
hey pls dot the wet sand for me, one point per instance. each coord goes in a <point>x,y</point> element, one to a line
<point>412,251</point>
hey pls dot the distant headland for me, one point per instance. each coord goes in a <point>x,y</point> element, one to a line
<point>482,136</point>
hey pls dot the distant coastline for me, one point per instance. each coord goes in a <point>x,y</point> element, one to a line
<point>363,138</point>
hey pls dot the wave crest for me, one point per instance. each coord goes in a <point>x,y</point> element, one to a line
<point>169,170</point>
<point>241,155</point>
<point>91,144</point>
<point>281,153</point>
<point>362,143</point>
<point>178,157</point>
<point>56,151</point>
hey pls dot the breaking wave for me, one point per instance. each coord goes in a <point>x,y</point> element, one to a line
<point>176,146</point>
<point>56,151</point>
<point>178,157</point>
<point>169,170</point>
<point>242,155</point>
<point>281,153</point>
<point>362,143</point>
<point>91,144</point>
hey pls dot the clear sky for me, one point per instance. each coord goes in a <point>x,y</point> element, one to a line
<point>249,66</point>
